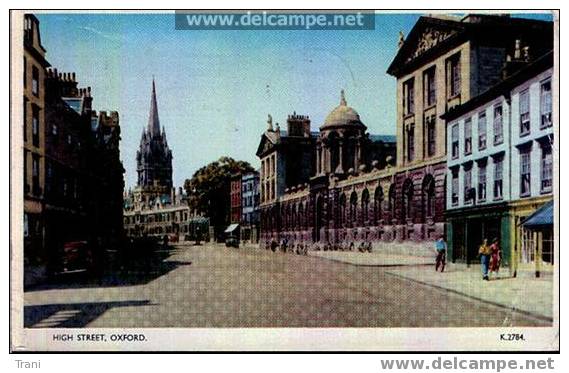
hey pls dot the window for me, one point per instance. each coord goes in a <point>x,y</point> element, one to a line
<point>35,81</point>
<point>482,130</point>
<point>467,185</point>
<point>409,96</point>
<point>453,76</point>
<point>430,87</point>
<point>482,182</point>
<point>525,169</point>
<point>468,136</point>
<point>431,136</point>
<point>454,197</point>
<point>410,142</point>
<point>454,137</point>
<point>498,125</point>
<point>54,129</point>
<point>25,72</point>
<point>524,113</point>
<point>546,169</point>
<point>498,176</point>
<point>35,174</point>
<point>35,126</point>
<point>545,104</point>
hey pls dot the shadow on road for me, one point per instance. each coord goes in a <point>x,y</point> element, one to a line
<point>71,315</point>
<point>120,271</point>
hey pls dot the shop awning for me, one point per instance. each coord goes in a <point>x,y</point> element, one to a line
<point>541,218</point>
<point>231,228</point>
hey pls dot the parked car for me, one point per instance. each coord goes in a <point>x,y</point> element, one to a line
<point>77,257</point>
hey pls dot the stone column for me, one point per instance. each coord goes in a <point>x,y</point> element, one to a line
<point>340,167</point>
<point>318,160</point>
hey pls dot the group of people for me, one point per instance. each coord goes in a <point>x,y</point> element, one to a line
<point>490,256</point>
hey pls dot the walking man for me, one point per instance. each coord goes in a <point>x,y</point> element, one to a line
<point>485,251</point>
<point>441,249</point>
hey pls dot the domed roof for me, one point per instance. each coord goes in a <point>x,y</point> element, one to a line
<point>342,115</point>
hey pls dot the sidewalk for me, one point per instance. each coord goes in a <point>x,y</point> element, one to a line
<point>528,295</point>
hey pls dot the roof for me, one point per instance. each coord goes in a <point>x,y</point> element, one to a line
<point>383,138</point>
<point>342,115</point>
<point>541,218</point>
<point>504,87</point>
<point>231,228</point>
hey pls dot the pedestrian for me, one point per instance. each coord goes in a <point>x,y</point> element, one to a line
<point>441,249</point>
<point>484,251</point>
<point>495,256</point>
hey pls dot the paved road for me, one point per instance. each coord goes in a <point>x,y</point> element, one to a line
<point>212,286</point>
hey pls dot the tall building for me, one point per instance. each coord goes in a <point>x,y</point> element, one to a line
<point>444,62</point>
<point>154,207</point>
<point>154,158</point>
<point>250,197</point>
<point>500,166</point>
<point>34,65</point>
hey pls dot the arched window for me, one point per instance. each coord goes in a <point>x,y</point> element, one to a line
<point>407,199</point>
<point>429,196</point>
<point>365,207</point>
<point>342,211</point>
<point>301,215</point>
<point>353,209</point>
<point>293,218</point>
<point>377,201</point>
<point>391,201</point>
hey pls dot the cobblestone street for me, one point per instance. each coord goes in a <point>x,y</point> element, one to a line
<point>213,286</point>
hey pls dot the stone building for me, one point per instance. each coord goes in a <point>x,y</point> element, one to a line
<point>34,65</point>
<point>444,62</point>
<point>154,208</point>
<point>235,199</point>
<point>500,165</point>
<point>323,186</point>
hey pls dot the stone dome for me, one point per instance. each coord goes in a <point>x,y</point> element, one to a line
<point>342,115</point>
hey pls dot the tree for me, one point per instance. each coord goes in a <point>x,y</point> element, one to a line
<point>208,189</point>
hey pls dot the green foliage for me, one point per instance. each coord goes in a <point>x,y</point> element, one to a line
<point>208,189</point>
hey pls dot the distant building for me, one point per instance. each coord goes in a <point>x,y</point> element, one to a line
<point>250,197</point>
<point>154,208</point>
<point>235,199</point>
<point>306,176</point>
<point>500,165</point>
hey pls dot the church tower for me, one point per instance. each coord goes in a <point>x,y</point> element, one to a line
<point>154,157</point>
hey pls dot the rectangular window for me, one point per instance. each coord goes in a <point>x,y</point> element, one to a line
<point>430,87</point>
<point>546,169</point>
<point>454,187</point>
<point>482,182</point>
<point>498,125</point>
<point>35,81</point>
<point>35,175</point>
<point>454,134</point>
<point>35,126</point>
<point>545,104</point>
<point>453,75</point>
<point>411,142</point>
<point>468,136</point>
<point>25,114</point>
<point>431,136</point>
<point>25,72</point>
<point>482,131</point>
<point>525,171</point>
<point>498,176</point>
<point>524,113</point>
<point>468,185</point>
<point>409,96</point>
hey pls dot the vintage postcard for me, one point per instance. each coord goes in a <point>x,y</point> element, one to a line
<point>284,180</point>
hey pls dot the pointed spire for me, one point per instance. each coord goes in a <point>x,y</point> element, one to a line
<point>343,98</point>
<point>153,121</point>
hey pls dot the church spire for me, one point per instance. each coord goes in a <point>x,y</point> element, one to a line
<point>343,98</point>
<point>153,121</point>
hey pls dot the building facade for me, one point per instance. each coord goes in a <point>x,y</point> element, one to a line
<point>443,63</point>
<point>500,165</point>
<point>250,198</point>
<point>323,187</point>
<point>34,65</point>
<point>235,199</point>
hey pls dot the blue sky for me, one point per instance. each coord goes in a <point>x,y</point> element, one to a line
<point>215,88</point>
